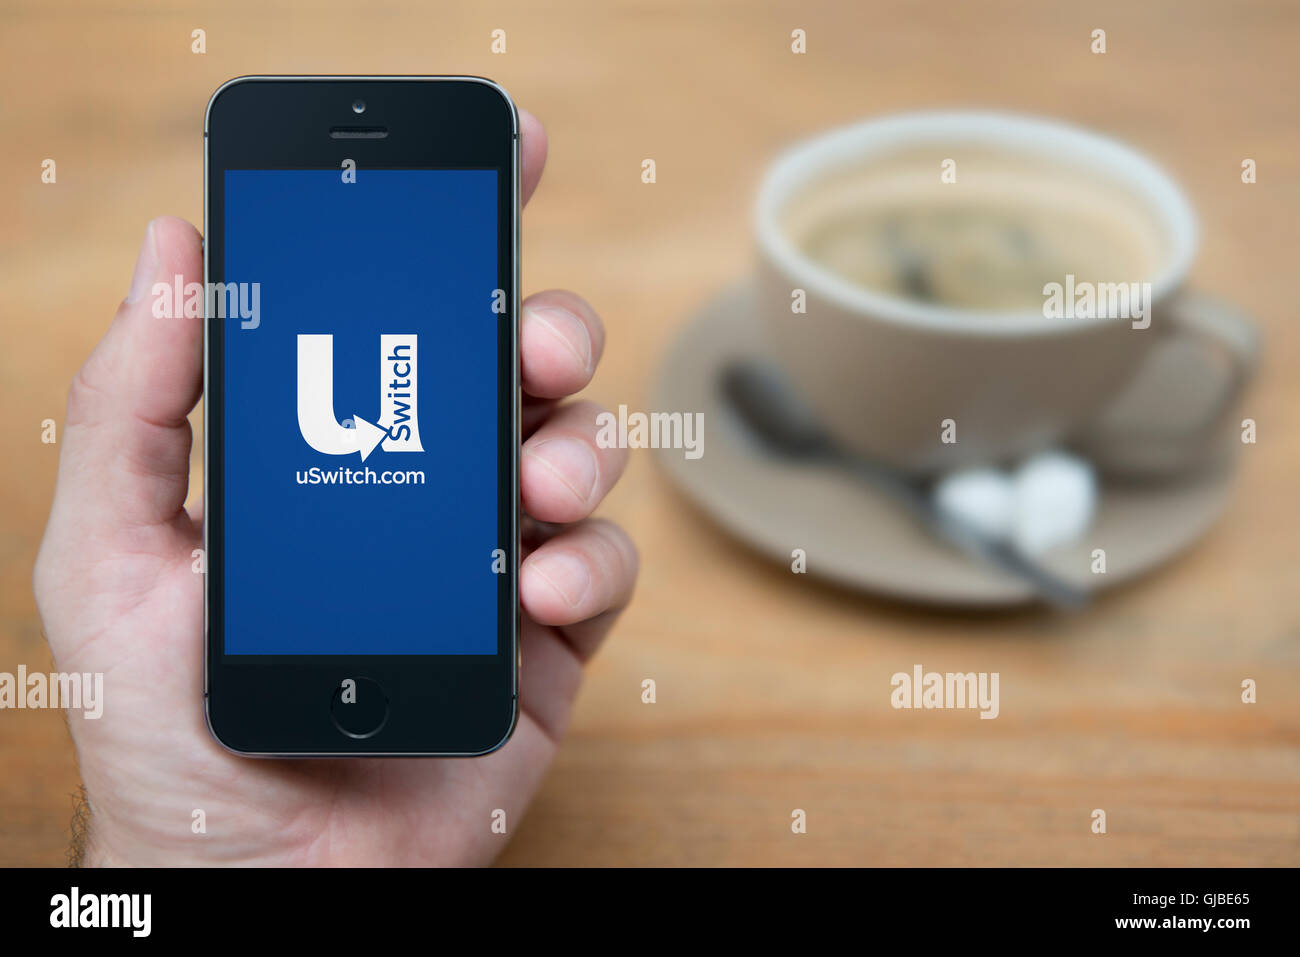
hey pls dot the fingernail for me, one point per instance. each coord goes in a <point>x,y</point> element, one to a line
<point>570,330</point>
<point>566,573</point>
<point>146,267</point>
<point>572,461</point>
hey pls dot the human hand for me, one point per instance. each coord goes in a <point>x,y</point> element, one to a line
<point>117,595</point>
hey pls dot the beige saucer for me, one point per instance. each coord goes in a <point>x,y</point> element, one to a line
<point>852,533</point>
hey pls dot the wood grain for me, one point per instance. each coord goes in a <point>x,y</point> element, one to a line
<point>772,689</point>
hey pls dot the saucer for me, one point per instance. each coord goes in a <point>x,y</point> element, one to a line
<point>854,534</point>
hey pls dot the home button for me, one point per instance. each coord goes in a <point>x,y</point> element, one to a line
<point>359,707</point>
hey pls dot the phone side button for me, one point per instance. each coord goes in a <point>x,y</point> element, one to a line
<point>359,707</point>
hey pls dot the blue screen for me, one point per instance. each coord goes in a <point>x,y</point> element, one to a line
<point>360,412</point>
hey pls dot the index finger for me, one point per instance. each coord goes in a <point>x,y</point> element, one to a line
<point>532,147</point>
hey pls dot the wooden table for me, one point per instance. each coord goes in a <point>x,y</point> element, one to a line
<point>772,689</point>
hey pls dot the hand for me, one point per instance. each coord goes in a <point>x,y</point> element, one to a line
<point>117,595</point>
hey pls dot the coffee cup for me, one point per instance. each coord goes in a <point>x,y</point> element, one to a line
<point>949,289</point>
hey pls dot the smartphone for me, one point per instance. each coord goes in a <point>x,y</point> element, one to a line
<point>361,416</point>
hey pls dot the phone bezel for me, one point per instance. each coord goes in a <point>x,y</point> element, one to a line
<point>439,705</point>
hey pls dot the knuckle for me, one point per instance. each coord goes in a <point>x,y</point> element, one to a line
<point>619,544</point>
<point>85,396</point>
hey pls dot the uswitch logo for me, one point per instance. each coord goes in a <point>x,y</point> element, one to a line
<point>397,427</point>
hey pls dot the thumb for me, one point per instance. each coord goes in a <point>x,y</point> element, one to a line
<point>125,457</point>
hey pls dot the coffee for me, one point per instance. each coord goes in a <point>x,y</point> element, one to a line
<point>989,241</point>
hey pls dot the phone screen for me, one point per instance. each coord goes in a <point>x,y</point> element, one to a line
<point>360,450</point>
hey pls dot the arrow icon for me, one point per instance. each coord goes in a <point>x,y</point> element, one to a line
<point>368,435</point>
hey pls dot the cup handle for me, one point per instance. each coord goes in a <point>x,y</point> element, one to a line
<point>1220,325</point>
<point>1145,451</point>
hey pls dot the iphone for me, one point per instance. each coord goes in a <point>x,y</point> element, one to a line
<point>361,415</point>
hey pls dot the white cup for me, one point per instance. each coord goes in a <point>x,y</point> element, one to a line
<point>885,373</point>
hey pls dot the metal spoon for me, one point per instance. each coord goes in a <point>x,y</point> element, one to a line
<point>775,415</point>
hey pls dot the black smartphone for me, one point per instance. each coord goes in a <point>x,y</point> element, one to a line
<point>361,410</point>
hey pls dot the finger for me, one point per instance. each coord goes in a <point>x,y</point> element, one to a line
<point>532,147</point>
<point>583,572</point>
<point>560,341</point>
<point>125,459</point>
<point>549,677</point>
<point>563,473</point>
